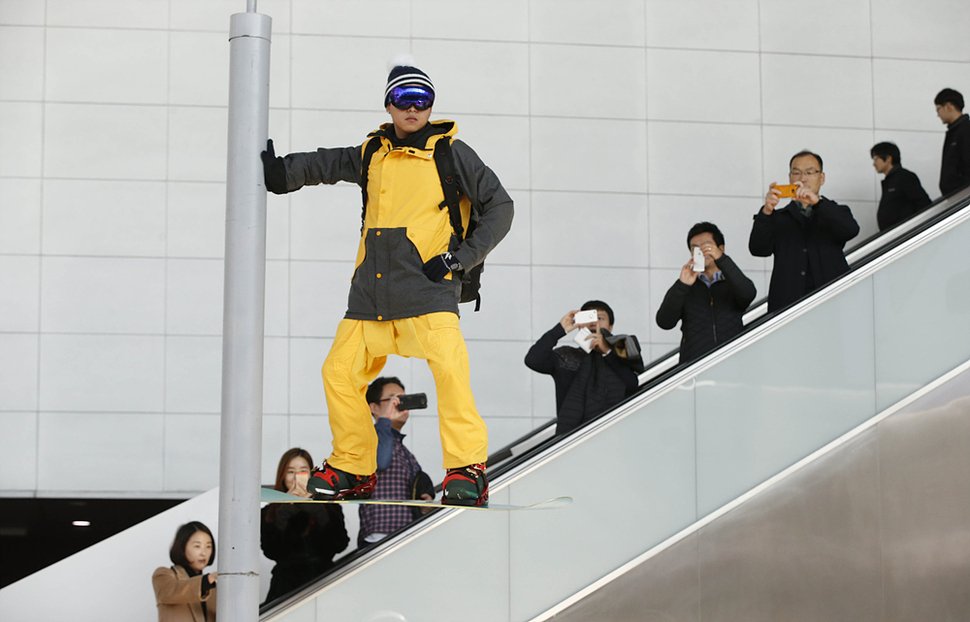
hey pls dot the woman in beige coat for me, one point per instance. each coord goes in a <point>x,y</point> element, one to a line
<point>182,592</point>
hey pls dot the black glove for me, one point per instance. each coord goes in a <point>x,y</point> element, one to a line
<point>274,171</point>
<point>437,268</point>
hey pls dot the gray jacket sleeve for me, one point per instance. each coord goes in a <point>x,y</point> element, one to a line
<point>490,202</point>
<point>323,166</point>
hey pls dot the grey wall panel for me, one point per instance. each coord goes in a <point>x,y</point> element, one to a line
<point>877,529</point>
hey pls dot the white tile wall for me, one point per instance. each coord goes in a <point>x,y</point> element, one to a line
<point>197,68</point>
<point>20,215</point>
<point>79,221</point>
<point>276,375</point>
<point>500,20</point>
<point>726,165</point>
<point>615,126</point>
<point>18,450</point>
<point>575,229</point>
<point>589,154</point>
<point>464,72</point>
<point>197,143</point>
<point>19,293</point>
<point>193,296</point>
<point>931,30</point>
<point>703,25</point>
<point>828,91</point>
<point>106,373</point>
<point>191,452</point>
<point>570,81</point>
<point>94,141</point>
<point>383,18</point>
<point>193,374</point>
<point>22,63</point>
<point>110,452</point>
<point>578,22</point>
<point>21,12</point>
<point>829,27</point>
<point>21,125</point>
<point>108,13</point>
<point>102,295</point>
<point>83,65</point>
<point>18,371</point>
<point>904,91</point>
<point>195,219</point>
<point>701,85</point>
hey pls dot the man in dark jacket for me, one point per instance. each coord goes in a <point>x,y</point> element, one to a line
<point>955,168</point>
<point>902,193</point>
<point>587,383</point>
<point>806,237</point>
<point>708,303</point>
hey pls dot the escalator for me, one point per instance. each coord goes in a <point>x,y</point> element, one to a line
<point>695,440</point>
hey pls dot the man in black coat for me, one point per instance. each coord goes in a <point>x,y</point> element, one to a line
<point>708,300</point>
<point>955,168</point>
<point>806,237</point>
<point>902,193</point>
<point>590,379</point>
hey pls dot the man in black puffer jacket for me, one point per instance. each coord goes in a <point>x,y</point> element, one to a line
<point>708,303</point>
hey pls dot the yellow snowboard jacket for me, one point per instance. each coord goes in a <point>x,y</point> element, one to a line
<point>407,222</point>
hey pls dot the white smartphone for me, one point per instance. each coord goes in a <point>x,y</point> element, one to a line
<point>581,339</point>
<point>585,317</point>
<point>698,259</point>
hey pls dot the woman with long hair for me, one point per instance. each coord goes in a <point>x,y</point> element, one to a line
<point>301,537</point>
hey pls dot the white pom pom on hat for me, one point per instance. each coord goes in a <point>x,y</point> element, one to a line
<point>401,59</point>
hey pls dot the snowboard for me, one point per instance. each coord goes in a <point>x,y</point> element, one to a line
<point>269,495</point>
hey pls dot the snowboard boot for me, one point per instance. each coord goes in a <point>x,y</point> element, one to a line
<point>466,486</point>
<point>330,484</point>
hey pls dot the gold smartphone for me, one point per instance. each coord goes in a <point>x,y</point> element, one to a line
<point>787,190</point>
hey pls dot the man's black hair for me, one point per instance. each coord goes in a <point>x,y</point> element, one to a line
<point>805,152</point>
<point>706,227</point>
<point>599,305</point>
<point>949,96</point>
<point>182,536</point>
<point>376,388</point>
<point>884,151</point>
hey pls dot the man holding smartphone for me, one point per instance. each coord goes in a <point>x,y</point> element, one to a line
<point>397,468</point>
<point>710,296</point>
<point>590,378</point>
<point>806,237</point>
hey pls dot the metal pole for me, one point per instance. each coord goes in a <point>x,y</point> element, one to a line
<point>242,328</point>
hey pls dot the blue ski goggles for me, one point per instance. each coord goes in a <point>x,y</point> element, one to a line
<point>403,97</point>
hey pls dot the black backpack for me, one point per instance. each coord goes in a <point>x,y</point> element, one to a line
<point>471,280</point>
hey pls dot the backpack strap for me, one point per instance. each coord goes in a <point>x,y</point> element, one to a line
<point>373,144</point>
<point>449,184</point>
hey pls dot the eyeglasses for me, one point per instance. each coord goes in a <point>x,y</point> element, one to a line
<point>403,97</point>
<point>809,173</point>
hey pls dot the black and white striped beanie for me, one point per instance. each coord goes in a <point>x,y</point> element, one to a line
<point>402,71</point>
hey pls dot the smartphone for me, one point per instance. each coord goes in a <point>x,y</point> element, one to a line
<point>787,190</point>
<point>412,401</point>
<point>698,259</point>
<point>585,317</point>
<point>581,339</point>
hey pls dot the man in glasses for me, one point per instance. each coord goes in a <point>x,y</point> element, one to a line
<point>709,302</point>
<point>396,465</point>
<point>406,285</point>
<point>806,237</point>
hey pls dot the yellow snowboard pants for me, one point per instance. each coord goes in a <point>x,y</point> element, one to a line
<point>359,352</point>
